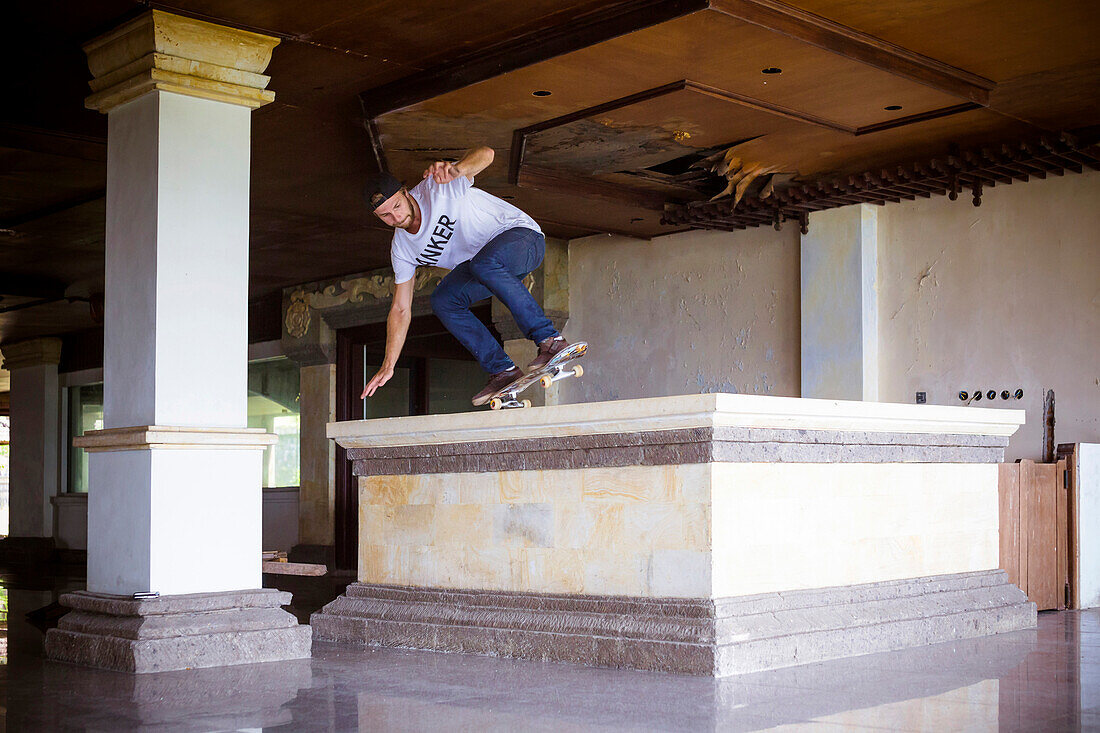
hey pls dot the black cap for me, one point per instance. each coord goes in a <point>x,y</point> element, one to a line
<point>380,188</point>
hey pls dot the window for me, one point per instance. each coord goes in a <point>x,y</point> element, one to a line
<point>451,384</point>
<point>273,404</point>
<point>85,413</point>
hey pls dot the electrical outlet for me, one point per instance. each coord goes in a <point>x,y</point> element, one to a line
<point>922,398</point>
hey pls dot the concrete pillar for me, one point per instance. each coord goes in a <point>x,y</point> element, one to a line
<point>840,304</point>
<point>317,491</point>
<point>35,432</point>
<point>175,500</point>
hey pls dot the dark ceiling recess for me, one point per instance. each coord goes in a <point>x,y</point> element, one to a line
<point>541,93</point>
<point>771,70</point>
<point>685,170</point>
<point>972,169</point>
<point>892,107</point>
<point>684,163</point>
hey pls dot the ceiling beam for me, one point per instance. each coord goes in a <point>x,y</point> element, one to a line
<point>31,286</point>
<point>578,185</point>
<point>840,39</point>
<point>53,142</point>
<point>933,114</point>
<point>53,209</point>
<point>567,32</point>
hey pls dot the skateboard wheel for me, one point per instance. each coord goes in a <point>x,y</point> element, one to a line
<point>578,370</point>
<point>545,381</point>
<point>526,403</point>
<point>495,403</point>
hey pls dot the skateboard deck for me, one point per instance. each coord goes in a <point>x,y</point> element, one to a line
<point>556,369</point>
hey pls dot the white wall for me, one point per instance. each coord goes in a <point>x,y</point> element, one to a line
<point>683,314</point>
<point>1000,296</point>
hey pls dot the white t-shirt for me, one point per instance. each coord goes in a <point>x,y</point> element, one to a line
<point>456,221</point>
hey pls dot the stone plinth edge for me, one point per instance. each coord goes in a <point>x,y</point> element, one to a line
<point>149,437</point>
<point>708,411</point>
<point>177,632</point>
<point>688,636</point>
<point>676,447</point>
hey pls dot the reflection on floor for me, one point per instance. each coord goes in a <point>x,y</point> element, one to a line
<point>1046,679</point>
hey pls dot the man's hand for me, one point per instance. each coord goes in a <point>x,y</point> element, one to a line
<point>384,375</point>
<point>443,172</point>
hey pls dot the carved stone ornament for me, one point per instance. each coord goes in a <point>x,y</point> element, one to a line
<point>357,289</point>
<point>297,315</point>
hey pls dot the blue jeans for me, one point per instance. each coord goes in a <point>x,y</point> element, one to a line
<point>498,269</point>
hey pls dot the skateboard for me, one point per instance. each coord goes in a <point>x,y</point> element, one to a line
<point>554,370</point>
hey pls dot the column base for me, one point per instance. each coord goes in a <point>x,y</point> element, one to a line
<point>177,632</point>
<point>687,636</point>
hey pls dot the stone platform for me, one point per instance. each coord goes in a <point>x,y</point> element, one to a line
<point>709,534</point>
<point>177,632</point>
<point>687,636</point>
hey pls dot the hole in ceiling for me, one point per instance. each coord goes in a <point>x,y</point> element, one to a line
<point>541,93</point>
<point>892,107</point>
<point>636,219</point>
<point>771,70</point>
<point>682,164</point>
<point>507,197</point>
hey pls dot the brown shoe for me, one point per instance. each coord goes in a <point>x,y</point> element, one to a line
<point>497,382</point>
<point>548,349</point>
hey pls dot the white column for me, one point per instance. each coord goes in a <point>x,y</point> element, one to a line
<point>840,304</point>
<point>35,431</point>
<point>174,498</point>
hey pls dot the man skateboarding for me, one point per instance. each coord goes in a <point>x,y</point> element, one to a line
<point>488,245</point>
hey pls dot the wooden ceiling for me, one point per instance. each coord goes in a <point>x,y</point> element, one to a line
<point>860,85</point>
<point>639,89</point>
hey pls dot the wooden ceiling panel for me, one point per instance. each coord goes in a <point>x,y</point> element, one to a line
<point>411,35</point>
<point>308,76</point>
<point>1061,99</point>
<point>648,133</point>
<point>706,47</point>
<point>814,152</point>
<point>36,186</point>
<point>998,39</point>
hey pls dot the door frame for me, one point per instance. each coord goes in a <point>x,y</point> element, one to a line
<point>428,338</point>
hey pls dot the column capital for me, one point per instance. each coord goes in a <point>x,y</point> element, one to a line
<point>34,352</point>
<point>159,50</point>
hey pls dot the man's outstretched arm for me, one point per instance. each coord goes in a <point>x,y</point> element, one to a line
<point>473,162</point>
<point>397,328</point>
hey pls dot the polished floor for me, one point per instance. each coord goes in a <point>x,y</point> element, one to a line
<point>1046,679</point>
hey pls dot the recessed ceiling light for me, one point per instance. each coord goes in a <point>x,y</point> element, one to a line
<point>541,93</point>
<point>771,70</point>
<point>892,107</point>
